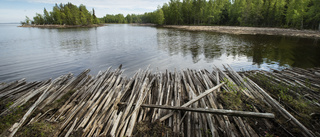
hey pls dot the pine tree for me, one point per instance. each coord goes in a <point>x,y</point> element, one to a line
<point>313,14</point>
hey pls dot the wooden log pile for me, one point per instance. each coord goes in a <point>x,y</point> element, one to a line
<point>308,80</point>
<point>300,85</point>
<point>185,103</point>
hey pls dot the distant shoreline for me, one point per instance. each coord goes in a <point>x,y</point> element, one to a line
<point>250,30</point>
<point>62,26</point>
<point>220,29</point>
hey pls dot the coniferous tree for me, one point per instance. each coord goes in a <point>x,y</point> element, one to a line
<point>313,14</point>
<point>187,12</point>
<point>273,13</point>
<point>68,14</point>
<point>47,17</point>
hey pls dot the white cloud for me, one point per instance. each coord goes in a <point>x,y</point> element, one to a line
<point>112,6</point>
<point>14,12</point>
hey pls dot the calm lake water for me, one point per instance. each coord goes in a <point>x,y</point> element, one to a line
<point>38,54</point>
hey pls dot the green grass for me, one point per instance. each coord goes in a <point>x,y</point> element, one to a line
<point>13,116</point>
<point>297,105</point>
<point>38,129</point>
<point>231,99</point>
<point>282,92</point>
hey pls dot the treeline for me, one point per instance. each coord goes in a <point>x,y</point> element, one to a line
<point>302,14</point>
<point>269,13</point>
<point>67,14</point>
<point>262,13</point>
<point>156,17</point>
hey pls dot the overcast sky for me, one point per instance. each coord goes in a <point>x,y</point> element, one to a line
<point>14,11</point>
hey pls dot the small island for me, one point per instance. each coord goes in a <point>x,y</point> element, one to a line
<point>64,16</point>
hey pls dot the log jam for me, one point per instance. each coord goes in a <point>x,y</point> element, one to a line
<point>185,103</point>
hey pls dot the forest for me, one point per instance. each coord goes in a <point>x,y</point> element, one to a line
<point>156,17</point>
<point>67,14</point>
<point>300,14</point>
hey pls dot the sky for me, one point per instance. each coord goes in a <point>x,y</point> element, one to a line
<point>15,11</point>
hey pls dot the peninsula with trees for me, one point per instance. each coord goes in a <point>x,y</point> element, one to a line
<point>63,15</point>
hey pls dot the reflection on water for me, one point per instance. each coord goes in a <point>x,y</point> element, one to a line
<point>260,50</point>
<point>71,41</point>
<point>38,54</point>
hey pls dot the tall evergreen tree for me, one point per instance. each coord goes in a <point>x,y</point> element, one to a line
<point>68,14</point>
<point>313,14</point>
<point>296,13</point>
<point>95,19</point>
<point>47,17</point>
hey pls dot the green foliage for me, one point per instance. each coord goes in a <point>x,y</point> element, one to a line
<point>271,13</point>
<point>282,92</point>
<point>27,21</point>
<point>11,117</point>
<point>154,129</point>
<point>38,19</point>
<point>119,18</point>
<point>95,20</point>
<point>313,15</point>
<point>67,14</point>
<point>269,134</point>
<point>296,12</point>
<point>38,129</point>
<point>156,17</point>
<point>232,99</point>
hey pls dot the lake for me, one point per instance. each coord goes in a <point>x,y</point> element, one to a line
<point>38,54</point>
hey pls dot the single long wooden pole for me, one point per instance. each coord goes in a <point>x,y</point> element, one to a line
<point>209,110</point>
<point>194,100</point>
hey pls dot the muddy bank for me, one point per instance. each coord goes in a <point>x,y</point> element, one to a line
<point>62,26</point>
<point>250,30</point>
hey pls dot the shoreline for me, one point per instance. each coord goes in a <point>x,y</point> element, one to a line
<point>237,30</point>
<point>62,26</point>
<point>249,30</point>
